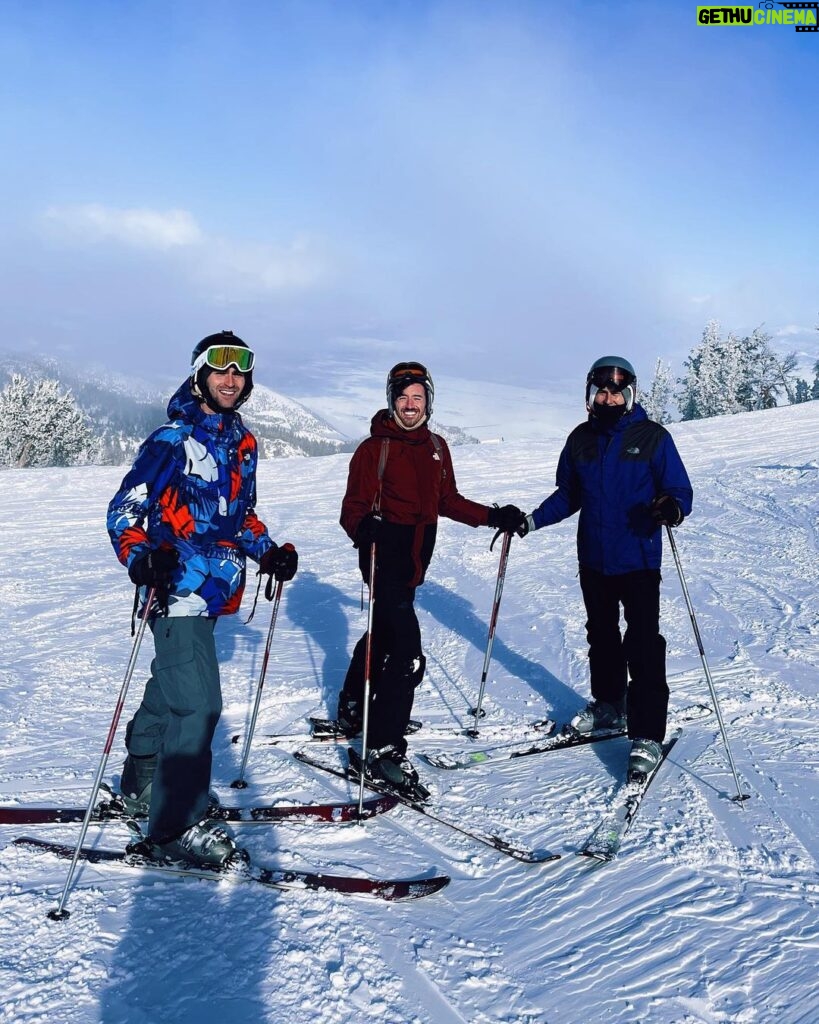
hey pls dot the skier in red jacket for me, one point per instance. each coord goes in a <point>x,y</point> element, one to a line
<point>400,481</point>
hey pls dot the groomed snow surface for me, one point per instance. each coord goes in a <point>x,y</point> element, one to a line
<point>708,915</point>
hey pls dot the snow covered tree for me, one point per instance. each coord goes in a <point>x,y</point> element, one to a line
<point>711,385</point>
<point>730,375</point>
<point>41,425</point>
<point>801,391</point>
<point>814,391</point>
<point>767,375</point>
<point>655,400</point>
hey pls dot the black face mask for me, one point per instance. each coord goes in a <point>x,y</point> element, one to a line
<point>608,415</point>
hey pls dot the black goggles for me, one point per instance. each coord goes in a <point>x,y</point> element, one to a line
<point>612,378</point>
<point>220,357</point>
<point>408,373</point>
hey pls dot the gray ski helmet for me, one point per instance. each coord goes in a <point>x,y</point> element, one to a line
<point>200,373</point>
<point>615,373</point>
<point>404,374</point>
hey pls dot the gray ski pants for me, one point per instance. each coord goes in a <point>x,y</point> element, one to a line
<point>176,720</point>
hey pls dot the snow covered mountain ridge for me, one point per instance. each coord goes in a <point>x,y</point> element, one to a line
<point>121,411</point>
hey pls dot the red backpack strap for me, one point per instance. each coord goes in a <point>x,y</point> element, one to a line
<point>436,444</point>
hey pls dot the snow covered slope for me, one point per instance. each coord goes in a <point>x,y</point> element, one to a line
<point>708,915</point>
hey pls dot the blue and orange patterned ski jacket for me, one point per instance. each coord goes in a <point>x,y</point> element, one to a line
<point>193,487</point>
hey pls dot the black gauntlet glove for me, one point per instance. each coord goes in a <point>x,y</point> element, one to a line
<point>155,568</point>
<point>508,519</point>
<point>666,511</point>
<point>369,530</point>
<point>280,562</point>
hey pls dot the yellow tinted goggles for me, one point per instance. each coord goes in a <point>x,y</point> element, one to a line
<point>220,357</point>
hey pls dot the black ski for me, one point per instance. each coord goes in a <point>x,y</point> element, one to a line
<point>488,839</point>
<point>385,889</point>
<point>113,810</point>
<point>567,737</point>
<point>604,842</point>
<point>329,728</point>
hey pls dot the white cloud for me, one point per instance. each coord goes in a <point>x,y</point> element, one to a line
<point>791,329</point>
<point>142,228</point>
<point>230,269</point>
<point>243,269</point>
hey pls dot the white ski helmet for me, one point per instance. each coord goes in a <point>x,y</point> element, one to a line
<point>218,352</point>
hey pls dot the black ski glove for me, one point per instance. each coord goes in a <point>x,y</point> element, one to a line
<point>666,511</point>
<point>369,530</point>
<point>508,519</point>
<point>280,562</point>
<point>155,568</point>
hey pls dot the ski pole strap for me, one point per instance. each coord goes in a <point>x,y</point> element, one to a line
<point>495,538</point>
<point>156,604</point>
<point>255,597</point>
<point>134,611</point>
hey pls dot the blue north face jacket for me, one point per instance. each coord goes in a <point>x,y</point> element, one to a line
<point>611,476</point>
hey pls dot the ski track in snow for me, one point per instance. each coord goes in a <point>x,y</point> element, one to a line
<point>708,915</point>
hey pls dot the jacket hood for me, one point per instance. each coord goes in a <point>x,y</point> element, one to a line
<point>184,405</point>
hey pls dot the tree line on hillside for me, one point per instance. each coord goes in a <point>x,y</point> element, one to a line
<point>42,424</point>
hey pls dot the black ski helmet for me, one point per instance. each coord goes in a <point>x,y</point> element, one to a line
<point>199,374</point>
<point>404,374</point>
<point>615,373</point>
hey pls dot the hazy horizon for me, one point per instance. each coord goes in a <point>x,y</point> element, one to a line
<point>502,191</point>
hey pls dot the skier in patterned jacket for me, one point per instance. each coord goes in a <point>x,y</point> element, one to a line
<point>400,481</point>
<point>183,523</point>
<point>623,473</point>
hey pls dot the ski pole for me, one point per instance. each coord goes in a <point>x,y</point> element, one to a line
<point>59,913</point>
<point>493,622</point>
<point>740,795</point>
<point>368,652</point>
<point>240,782</point>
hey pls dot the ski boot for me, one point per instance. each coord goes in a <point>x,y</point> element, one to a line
<point>206,844</point>
<point>391,770</point>
<point>598,715</point>
<point>135,784</point>
<point>643,759</point>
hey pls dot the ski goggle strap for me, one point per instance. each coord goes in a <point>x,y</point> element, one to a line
<point>220,357</point>
<point>611,377</point>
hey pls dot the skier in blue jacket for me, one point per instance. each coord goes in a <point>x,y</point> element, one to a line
<point>623,473</point>
<point>183,523</point>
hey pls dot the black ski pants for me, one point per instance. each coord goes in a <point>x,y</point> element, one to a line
<point>631,665</point>
<point>396,666</point>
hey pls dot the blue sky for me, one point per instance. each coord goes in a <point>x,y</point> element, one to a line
<point>501,189</point>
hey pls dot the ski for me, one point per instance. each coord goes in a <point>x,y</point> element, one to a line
<point>328,732</point>
<point>329,728</point>
<point>113,810</point>
<point>567,737</point>
<point>275,878</point>
<point>487,839</point>
<point>604,842</point>
<point>332,734</point>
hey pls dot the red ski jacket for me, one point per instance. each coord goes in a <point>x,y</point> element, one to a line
<point>415,485</point>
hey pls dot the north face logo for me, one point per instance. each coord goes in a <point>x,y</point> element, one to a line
<point>632,451</point>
